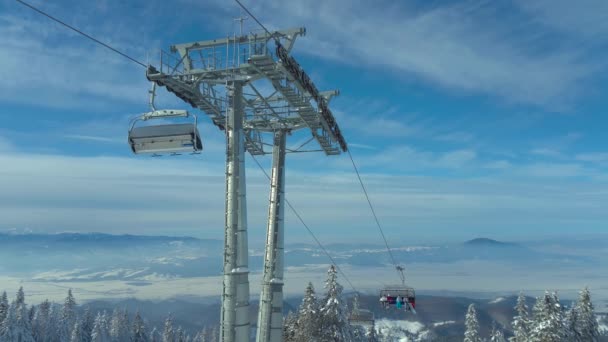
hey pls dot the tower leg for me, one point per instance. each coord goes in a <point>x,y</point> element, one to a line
<point>235,296</point>
<point>270,319</point>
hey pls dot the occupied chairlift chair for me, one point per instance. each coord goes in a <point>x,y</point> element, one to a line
<point>399,296</point>
<point>164,138</point>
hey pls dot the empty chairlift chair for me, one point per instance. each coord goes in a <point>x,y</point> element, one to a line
<point>360,317</point>
<point>171,138</point>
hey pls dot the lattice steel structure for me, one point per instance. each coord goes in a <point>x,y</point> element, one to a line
<point>217,77</point>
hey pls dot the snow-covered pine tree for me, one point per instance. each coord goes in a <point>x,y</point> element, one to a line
<point>31,313</point>
<point>558,312</point>
<point>101,332</point>
<point>41,321</point>
<point>3,307</point>
<point>119,325</point>
<point>20,298</point>
<point>68,317</point>
<point>547,320</point>
<point>138,330</point>
<point>77,334</point>
<point>521,321</point>
<point>87,323</point>
<point>201,336</point>
<point>571,325</point>
<point>52,332</point>
<point>471,333</point>
<point>587,325</point>
<point>155,335</point>
<point>371,335</point>
<point>290,327</point>
<point>308,317</point>
<point>334,321</point>
<point>6,329</point>
<point>179,335</point>
<point>168,331</point>
<point>16,326</point>
<point>496,335</point>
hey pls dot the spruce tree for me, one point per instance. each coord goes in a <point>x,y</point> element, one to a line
<point>371,334</point>
<point>571,325</point>
<point>119,325</point>
<point>138,332</point>
<point>3,307</point>
<point>52,332</point>
<point>587,325</point>
<point>290,327</point>
<point>547,322</point>
<point>68,317</point>
<point>168,331</point>
<point>16,326</point>
<point>101,332</point>
<point>179,335</point>
<point>521,321</point>
<point>40,324</point>
<point>31,313</point>
<point>154,335</point>
<point>308,317</point>
<point>20,298</point>
<point>471,333</point>
<point>496,335</point>
<point>77,334</point>
<point>87,323</point>
<point>334,322</point>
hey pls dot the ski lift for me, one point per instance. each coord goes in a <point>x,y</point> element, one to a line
<point>164,138</point>
<point>399,296</point>
<point>360,317</point>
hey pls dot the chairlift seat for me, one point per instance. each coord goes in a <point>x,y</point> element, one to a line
<point>168,138</point>
<point>362,317</point>
<point>391,293</point>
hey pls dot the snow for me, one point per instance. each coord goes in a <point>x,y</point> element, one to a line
<point>603,328</point>
<point>497,300</point>
<point>438,324</point>
<point>389,324</point>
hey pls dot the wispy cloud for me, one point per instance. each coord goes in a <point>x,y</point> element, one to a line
<point>547,152</point>
<point>597,157</point>
<point>94,138</point>
<point>6,145</point>
<point>470,46</point>
<point>73,74</point>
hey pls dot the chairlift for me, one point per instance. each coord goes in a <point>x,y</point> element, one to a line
<point>164,138</point>
<point>401,297</point>
<point>361,317</point>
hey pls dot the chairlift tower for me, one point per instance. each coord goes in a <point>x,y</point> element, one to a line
<point>217,77</point>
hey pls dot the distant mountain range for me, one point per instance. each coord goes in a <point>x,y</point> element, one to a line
<point>93,256</point>
<point>485,242</point>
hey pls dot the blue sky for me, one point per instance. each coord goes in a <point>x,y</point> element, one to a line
<point>467,118</point>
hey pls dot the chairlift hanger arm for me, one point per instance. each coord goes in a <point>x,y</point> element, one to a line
<point>401,271</point>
